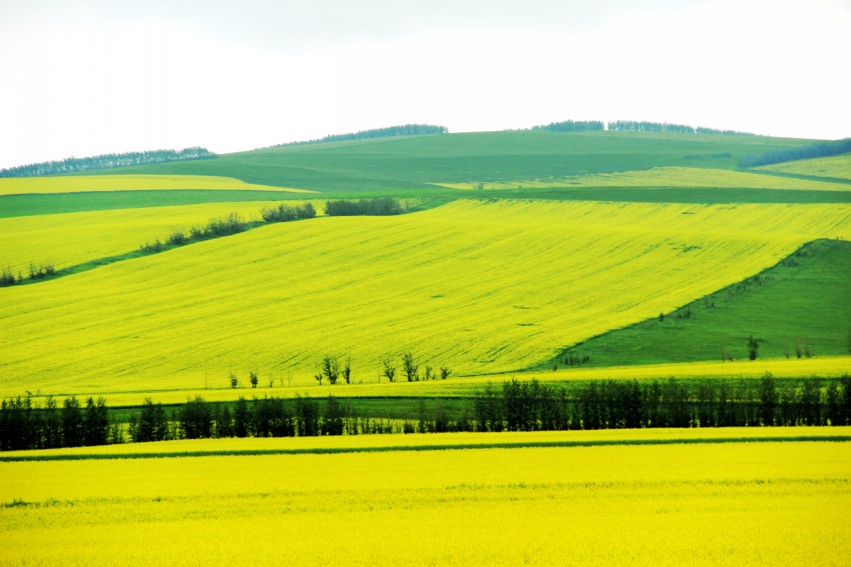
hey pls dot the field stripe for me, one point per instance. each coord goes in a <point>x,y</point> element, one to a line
<point>428,447</point>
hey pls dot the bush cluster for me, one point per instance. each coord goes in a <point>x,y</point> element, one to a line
<point>372,207</point>
<point>36,272</point>
<point>216,227</point>
<point>286,213</point>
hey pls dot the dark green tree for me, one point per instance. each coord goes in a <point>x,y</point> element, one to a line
<point>241,418</point>
<point>753,347</point>
<point>96,423</point>
<point>196,419</point>
<point>72,423</point>
<point>330,369</point>
<point>332,424</point>
<point>769,398</point>
<point>389,370</point>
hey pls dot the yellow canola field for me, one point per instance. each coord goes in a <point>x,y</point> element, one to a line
<point>682,177</point>
<point>717,504</point>
<point>78,183</point>
<point>434,441</point>
<point>478,286</point>
<point>838,167</point>
<point>69,239</point>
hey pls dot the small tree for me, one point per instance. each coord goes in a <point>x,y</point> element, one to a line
<point>330,369</point>
<point>389,370</point>
<point>753,347</point>
<point>428,374</point>
<point>347,370</point>
<point>234,381</point>
<point>444,372</point>
<point>252,377</point>
<point>410,367</point>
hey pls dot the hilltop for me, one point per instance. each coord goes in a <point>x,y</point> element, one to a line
<point>417,162</point>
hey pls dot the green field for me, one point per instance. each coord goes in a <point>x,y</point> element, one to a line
<point>778,307</point>
<point>837,168</point>
<point>418,162</point>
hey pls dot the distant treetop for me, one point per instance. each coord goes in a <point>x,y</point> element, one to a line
<point>104,161</point>
<point>404,130</point>
<point>571,126</point>
<point>628,126</point>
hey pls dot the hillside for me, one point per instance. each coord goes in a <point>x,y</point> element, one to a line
<point>837,167</point>
<point>652,167</point>
<point>417,162</point>
<point>798,308</point>
<point>477,286</point>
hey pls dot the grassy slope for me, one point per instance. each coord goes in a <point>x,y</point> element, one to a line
<point>806,298</point>
<point>478,286</point>
<point>415,162</point>
<point>679,177</point>
<point>408,167</point>
<point>837,167</point>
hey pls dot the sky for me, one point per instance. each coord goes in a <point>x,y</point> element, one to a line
<point>85,77</point>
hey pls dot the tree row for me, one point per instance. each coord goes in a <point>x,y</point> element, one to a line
<point>819,149</point>
<point>104,161</point>
<point>512,406</point>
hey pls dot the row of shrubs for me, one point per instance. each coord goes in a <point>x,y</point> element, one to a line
<point>372,207</point>
<point>333,370</point>
<point>36,272</point>
<point>216,227</point>
<point>234,223</point>
<point>230,224</point>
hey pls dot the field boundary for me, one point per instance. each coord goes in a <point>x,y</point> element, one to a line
<point>429,447</point>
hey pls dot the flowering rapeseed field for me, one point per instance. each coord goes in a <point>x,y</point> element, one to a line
<point>763,503</point>
<point>478,286</point>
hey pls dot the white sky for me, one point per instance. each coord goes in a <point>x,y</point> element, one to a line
<point>84,77</point>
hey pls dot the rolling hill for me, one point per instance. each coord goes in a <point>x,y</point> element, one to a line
<point>526,243</point>
<point>478,286</point>
<point>416,162</point>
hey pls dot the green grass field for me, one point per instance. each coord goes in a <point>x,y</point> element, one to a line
<point>837,167</point>
<point>778,307</point>
<point>418,162</point>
